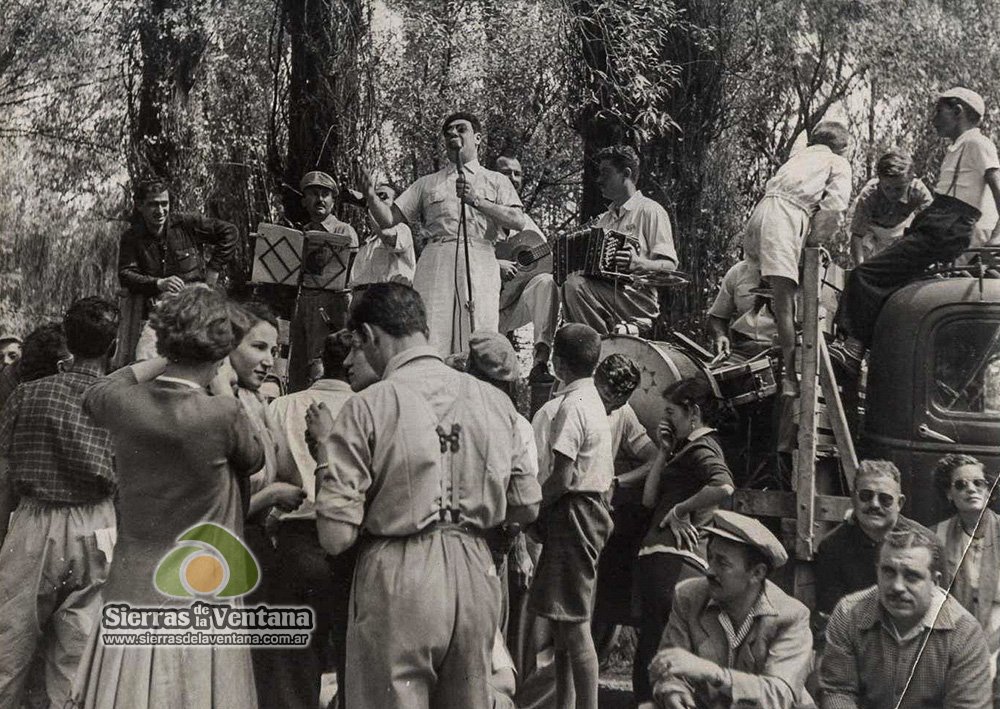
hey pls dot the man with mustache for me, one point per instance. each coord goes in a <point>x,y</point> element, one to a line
<point>734,638</point>
<point>845,560</point>
<point>904,642</point>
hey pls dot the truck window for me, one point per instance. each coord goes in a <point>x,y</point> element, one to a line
<point>967,367</point>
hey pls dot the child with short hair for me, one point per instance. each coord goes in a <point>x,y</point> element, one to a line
<point>886,205</point>
<point>575,468</point>
<point>806,197</point>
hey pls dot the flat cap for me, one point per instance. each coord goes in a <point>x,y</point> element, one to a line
<point>492,355</point>
<point>967,96</point>
<point>7,338</point>
<point>318,179</point>
<point>746,530</point>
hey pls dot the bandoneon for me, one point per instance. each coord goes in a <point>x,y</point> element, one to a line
<point>591,251</point>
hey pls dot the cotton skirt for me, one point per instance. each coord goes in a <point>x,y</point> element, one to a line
<point>163,677</point>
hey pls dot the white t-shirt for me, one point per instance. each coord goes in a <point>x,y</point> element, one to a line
<point>973,154</point>
<point>627,432</point>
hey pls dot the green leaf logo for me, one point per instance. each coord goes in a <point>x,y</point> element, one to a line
<point>208,560</point>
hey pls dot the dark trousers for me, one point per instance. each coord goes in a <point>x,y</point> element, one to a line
<point>658,574</point>
<point>309,329</point>
<point>301,574</point>
<point>939,233</point>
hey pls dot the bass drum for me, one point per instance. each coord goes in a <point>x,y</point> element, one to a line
<point>660,364</point>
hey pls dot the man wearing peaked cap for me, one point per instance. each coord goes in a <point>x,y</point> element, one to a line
<point>318,311</point>
<point>734,638</point>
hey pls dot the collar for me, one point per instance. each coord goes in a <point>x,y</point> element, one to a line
<point>472,167</point>
<point>817,149</point>
<point>577,385</point>
<point>331,385</point>
<point>699,433</point>
<point>629,204</point>
<point>90,369</point>
<point>327,224</point>
<point>761,607</point>
<point>409,355</point>
<point>961,140</point>
<point>939,616</point>
<point>179,380</point>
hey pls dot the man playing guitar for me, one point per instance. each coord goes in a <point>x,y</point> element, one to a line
<point>604,305</point>
<point>528,294</point>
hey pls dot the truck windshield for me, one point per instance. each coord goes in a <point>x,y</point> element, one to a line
<point>967,367</point>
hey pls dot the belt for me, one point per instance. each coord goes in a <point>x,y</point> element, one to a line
<point>452,239</point>
<point>433,527</point>
<point>791,200</point>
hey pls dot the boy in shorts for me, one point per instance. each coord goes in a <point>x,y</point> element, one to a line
<point>806,197</point>
<point>576,466</point>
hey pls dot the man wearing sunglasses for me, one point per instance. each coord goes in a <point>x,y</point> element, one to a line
<point>845,561</point>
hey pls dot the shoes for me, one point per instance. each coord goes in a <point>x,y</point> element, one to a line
<point>847,357</point>
<point>540,370</point>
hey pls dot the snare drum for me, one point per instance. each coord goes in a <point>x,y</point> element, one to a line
<point>659,364</point>
<point>743,383</point>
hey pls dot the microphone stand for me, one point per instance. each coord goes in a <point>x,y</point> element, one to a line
<point>463,235</point>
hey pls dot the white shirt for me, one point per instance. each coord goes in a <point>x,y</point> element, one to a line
<point>574,423</point>
<point>646,220</point>
<point>813,179</point>
<point>432,201</point>
<point>735,304</point>
<point>978,154</point>
<point>289,415</point>
<point>628,431</point>
<point>378,263</point>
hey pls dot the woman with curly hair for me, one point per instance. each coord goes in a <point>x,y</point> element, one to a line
<point>180,454</point>
<point>971,539</point>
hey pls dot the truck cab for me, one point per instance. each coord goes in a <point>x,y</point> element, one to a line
<point>934,384</point>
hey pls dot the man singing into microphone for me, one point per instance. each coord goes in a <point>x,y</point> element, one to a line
<point>437,200</point>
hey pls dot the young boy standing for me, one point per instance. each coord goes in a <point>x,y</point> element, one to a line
<point>576,466</point>
<point>968,183</point>
<point>806,197</point>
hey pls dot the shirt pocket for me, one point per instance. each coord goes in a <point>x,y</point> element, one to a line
<point>188,264</point>
<point>438,205</point>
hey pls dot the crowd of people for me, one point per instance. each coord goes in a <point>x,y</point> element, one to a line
<point>399,494</point>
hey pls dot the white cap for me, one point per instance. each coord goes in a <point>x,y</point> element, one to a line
<point>967,96</point>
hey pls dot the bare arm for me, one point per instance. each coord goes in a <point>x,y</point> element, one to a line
<point>504,217</point>
<point>651,491</point>
<point>558,482</point>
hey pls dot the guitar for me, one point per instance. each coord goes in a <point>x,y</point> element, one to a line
<point>532,254</point>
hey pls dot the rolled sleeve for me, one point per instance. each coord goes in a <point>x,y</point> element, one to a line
<point>659,233</point>
<point>342,486</point>
<point>404,239</point>
<point>523,489</point>
<point>861,220</point>
<point>724,305</point>
<point>506,194</point>
<point>837,194</point>
<point>568,434</point>
<point>634,436</point>
<point>409,203</point>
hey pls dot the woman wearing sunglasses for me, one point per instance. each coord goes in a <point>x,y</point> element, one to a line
<point>973,533</point>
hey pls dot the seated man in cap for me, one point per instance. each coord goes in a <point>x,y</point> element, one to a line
<point>968,188</point>
<point>905,642</point>
<point>318,311</point>
<point>734,638</point>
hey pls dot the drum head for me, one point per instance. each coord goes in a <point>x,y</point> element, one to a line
<point>659,364</point>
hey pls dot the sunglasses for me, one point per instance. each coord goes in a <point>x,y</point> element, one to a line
<point>884,498</point>
<point>963,484</point>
